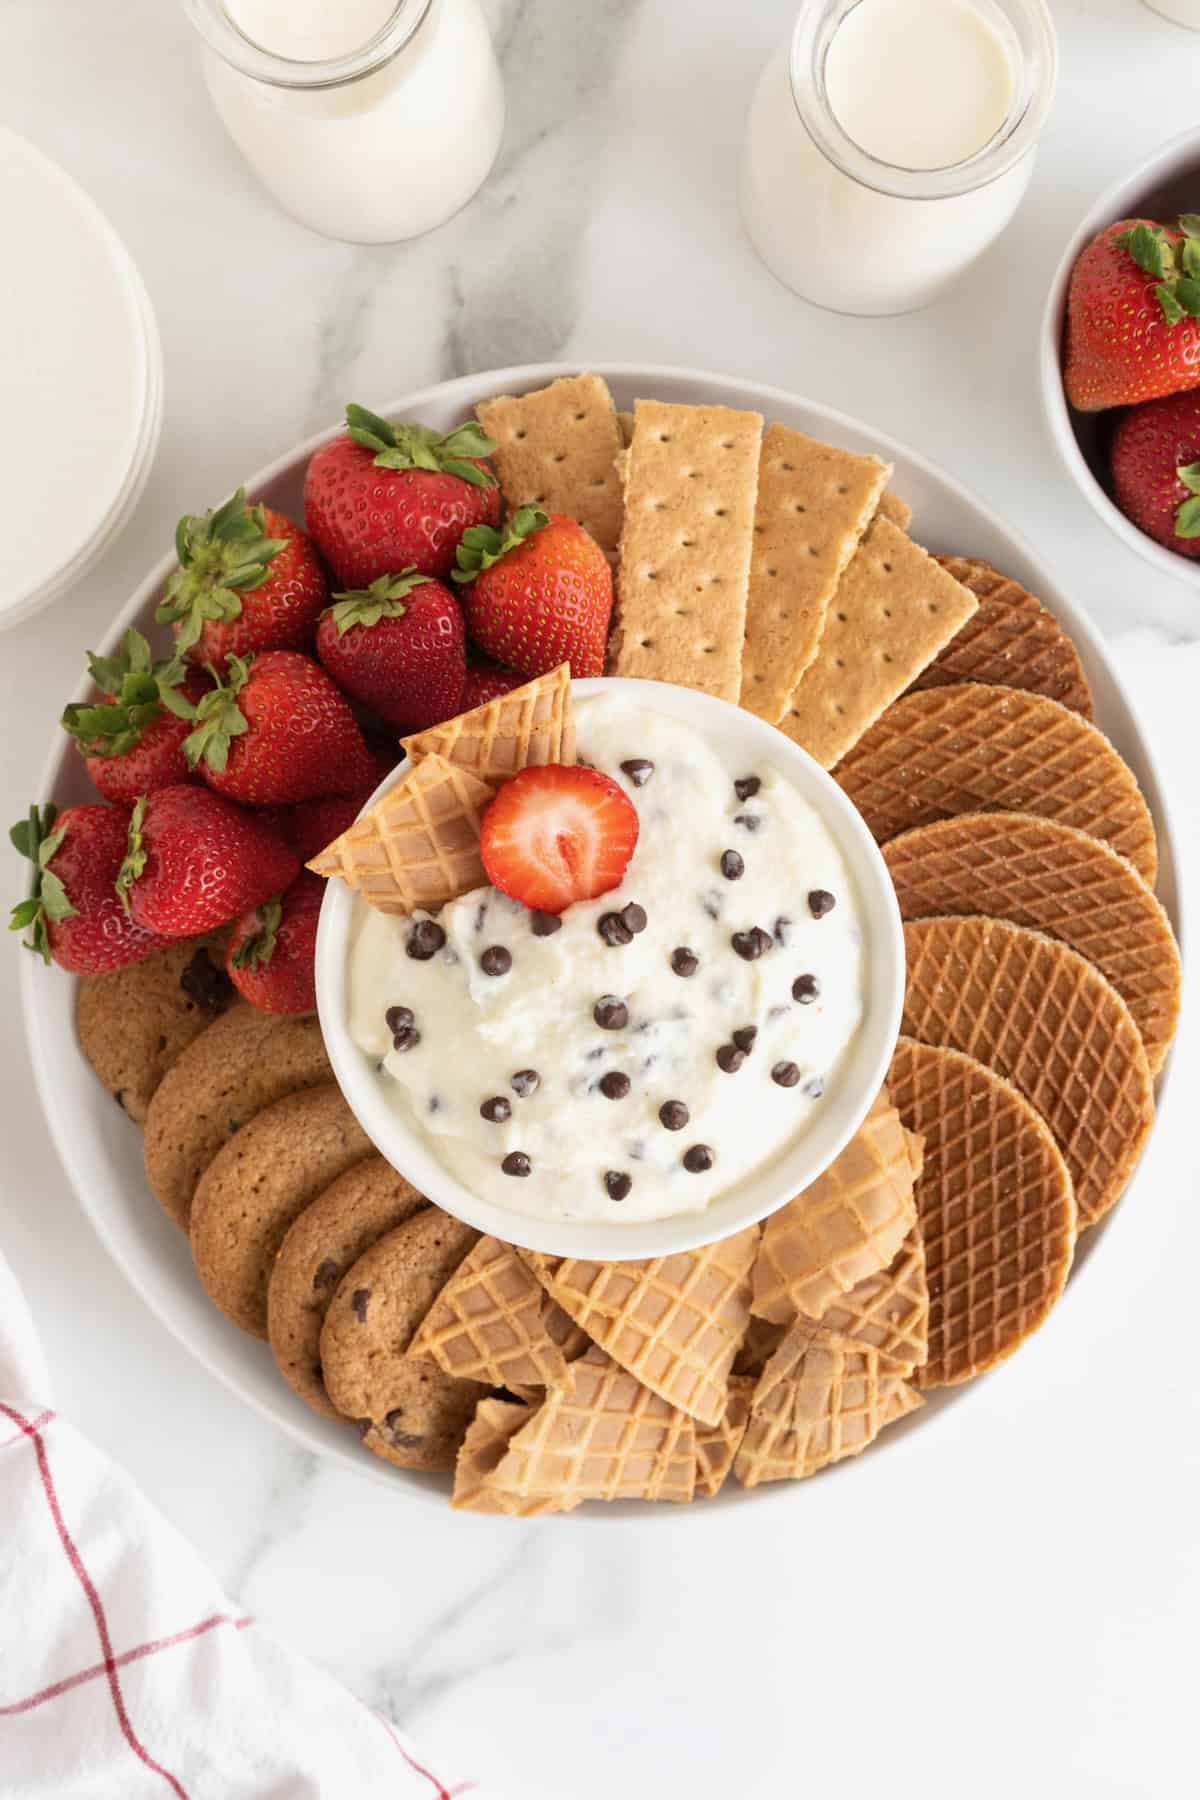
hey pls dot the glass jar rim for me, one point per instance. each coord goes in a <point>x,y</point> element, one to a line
<point>222,34</point>
<point>816,25</point>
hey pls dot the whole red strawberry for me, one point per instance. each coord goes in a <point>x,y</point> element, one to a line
<point>272,953</point>
<point>73,914</point>
<point>313,824</point>
<point>1156,470</point>
<point>248,580</point>
<point>276,730</point>
<point>382,497</point>
<point>193,861</point>
<point>483,684</point>
<point>558,833</point>
<point>1133,308</point>
<point>537,594</point>
<point>398,647</point>
<point>132,739</point>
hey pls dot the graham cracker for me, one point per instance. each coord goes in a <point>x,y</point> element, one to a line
<point>557,448</point>
<point>892,507</point>
<point>691,476</point>
<point>893,611</point>
<point>625,421</point>
<point>814,503</point>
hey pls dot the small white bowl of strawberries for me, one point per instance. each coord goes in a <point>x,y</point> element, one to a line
<point>292,660</point>
<point>1120,358</point>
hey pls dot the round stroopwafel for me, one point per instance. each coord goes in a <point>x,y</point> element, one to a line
<point>1011,641</point>
<point>1045,1018</point>
<point>951,750</point>
<point>996,1209</point>
<point>1051,878</point>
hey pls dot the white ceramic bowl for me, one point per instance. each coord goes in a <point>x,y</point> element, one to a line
<point>840,1113</point>
<point>1162,186</point>
<point>102,1152</point>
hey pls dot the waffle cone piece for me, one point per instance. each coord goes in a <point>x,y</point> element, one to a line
<point>485,1446</point>
<point>489,1323</point>
<point>950,750</point>
<point>419,844</point>
<point>717,1445</point>
<point>889,1312</point>
<point>1012,641</point>
<point>600,1435</point>
<point>1044,1018</point>
<point>817,1401</point>
<point>1071,886</point>
<point>847,1225</point>
<point>532,724</point>
<point>996,1205</point>
<point>675,1322</point>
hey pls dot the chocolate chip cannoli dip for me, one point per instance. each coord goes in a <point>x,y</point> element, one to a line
<point>636,1055</point>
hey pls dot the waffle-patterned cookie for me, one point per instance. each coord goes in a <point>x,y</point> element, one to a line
<point>818,1400</point>
<point>1012,641</point>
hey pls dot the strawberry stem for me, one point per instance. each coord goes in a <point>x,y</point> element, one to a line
<point>384,599</point>
<point>420,447</point>
<point>139,691</point>
<point>219,718</point>
<point>134,860</point>
<point>222,555</point>
<point>256,951</point>
<point>1175,268</point>
<point>482,546</point>
<point>47,901</point>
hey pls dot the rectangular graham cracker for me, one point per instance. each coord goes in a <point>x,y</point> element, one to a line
<point>894,609</point>
<point>892,507</point>
<point>691,473</point>
<point>557,448</point>
<point>814,503</point>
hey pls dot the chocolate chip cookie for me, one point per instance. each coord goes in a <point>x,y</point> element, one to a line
<point>133,1023</point>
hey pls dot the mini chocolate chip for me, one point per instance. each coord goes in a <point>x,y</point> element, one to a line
<point>617,1183</point>
<point>746,787</point>
<point>496,1110</point>
<point>785,1074</point>
<point>206,984</point>
<point>614,930</point>
<point>782,929</point>
<point>425,940</point>
<point>684,961</point>
<point>732,866</point>
<point>408,1039</point>
<point>403,1440</point>
<point>815,1087</point>
<point>496,960</point>
<point>634,917</point>
<point>748,821</point>
<point>752,944</point>
<point>805,989</point>
<point>399,1018</point>
<point>524,1082</point>
<point>674,1114</point>
<point>611,1013</point>
<point>544,924</point>
<point>711,904</point>
<point>358,1304</point>
<point>697,1159</point>
<point>820,902</point>
<point>365,1427</point>
<point>614,1085</point>
<point>744,1037</point>
<point>326,1275</point>
<point>639,770</point>
<point>730,1058</point>
<point>516,1163</point>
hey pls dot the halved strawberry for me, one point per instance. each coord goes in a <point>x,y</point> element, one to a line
<point>556,834</point>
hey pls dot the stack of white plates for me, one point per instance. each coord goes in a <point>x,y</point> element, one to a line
<point>80,378</point>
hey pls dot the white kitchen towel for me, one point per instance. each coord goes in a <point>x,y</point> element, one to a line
<point>125,1672</point>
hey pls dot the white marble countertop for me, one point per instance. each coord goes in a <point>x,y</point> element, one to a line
<point>1013,1611</point>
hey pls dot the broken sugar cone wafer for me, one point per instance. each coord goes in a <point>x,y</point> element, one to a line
<point>944,751</point>
<point>690,480</point>
<point>489,1434</point>
<point>530,724</point>
<point>817,1401</point>
<point>489,1323</point>
<point>600,1435</point>
<point>996,1207</point>
<point>557,448</point>
<point>718,1445</point>
<point>1045,1018</point>
<point>894,609</point>
<point>419,844</point>
<point>1012,641</point>
<point>888,1312</point>
<point>846,1225</point>
<point>1051,878</point>
<point>814,503</point>
<point>675,1322</point>
<point>898,511</point>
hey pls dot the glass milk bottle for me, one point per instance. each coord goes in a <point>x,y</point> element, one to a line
<point>1180,12</point>
<point>369,120</point>
<point>890,141</point>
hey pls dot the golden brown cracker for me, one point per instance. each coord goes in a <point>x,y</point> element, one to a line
<point>557,448</point>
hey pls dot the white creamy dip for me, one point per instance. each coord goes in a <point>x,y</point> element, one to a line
<point>591,1124</point>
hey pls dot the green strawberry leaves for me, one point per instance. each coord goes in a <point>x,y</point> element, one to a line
<point>420,447</point>
<point>1187,518</point>
<point>47,902</point>
<point>222,555</point>
<point>219,718</point>
<point>483,545</point>
<point>384,599</point>
<point>140,691</point>
<point>1174,267</point>
<point>134,860</point>
<point>256,951</point>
